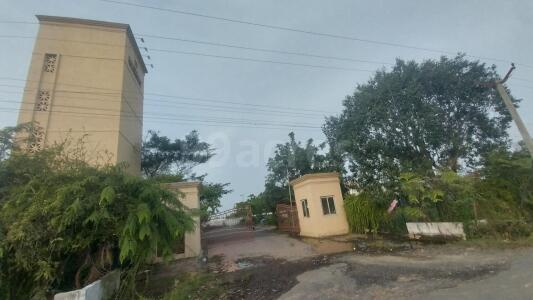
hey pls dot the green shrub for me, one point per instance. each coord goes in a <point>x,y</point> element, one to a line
<point>363,214</point>
<point>394,224</point>
<point>63,223</point>
<point>509,230</point>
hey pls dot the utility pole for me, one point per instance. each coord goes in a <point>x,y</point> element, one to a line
<point>290,199</point>
<point>498,84</point>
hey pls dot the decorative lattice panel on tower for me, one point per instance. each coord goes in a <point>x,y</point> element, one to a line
<point>43,101</point>
<point>50,63</point>
<point>36,139</point>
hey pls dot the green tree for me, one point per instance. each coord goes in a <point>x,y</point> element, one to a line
<point>161,155</point>
<point>508,182</point>
<point>292,160</point>
<point>419,117</point>
<point>7,139</point>
<point>165,160</point>
<point>210,195</point>
<point>258,204</point>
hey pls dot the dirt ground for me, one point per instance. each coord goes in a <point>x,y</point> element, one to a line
<point>429,272</point>
<point>404,275</point>
<point>269,265</point>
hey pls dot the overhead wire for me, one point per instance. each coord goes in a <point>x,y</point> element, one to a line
<point>133,114</point>
<point>198,106</point>
<point>308,32</point>
<point>142,36</point>
<point>168,96</point>
<point>260,49</point>
<point>263,61</point>
<point>219,123</point>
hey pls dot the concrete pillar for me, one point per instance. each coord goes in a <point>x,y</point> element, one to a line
<point>189,195</point>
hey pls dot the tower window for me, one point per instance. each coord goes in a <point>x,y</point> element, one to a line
<point>36,139</point>
<point>50,62</point>
<point>43,101</point>
<point>133,67</point>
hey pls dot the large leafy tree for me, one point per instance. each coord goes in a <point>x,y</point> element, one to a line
<point>419,117</point>
<point>210,195</point>
<point>161,155</point>
<point>294,159</point>
<point>169,160</point>
<point>291,160</point>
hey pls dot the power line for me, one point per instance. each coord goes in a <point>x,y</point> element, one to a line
<point>263,125</point>
<point>133,115</point>
<point>228,57</point>
<point>173,96</point>
<point>212,118</point>
<point>70,41</point>
<point>202,107</point>
<point>262,60</point>
<point>199,106</point>
<point>210,107</point>
<point>309,32</point>
<point>260,49</point>
<point>207,43</point>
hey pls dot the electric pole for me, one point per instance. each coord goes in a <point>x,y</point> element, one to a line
<point>290,198</point>
<point>498,84</point>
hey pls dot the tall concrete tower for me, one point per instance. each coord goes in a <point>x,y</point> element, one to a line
<point>86,79</point>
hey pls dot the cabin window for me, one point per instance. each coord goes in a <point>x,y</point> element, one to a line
<point>305,208</point>
<point>328,205</point>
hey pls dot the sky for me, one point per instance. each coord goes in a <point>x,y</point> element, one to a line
<point>244,108</point>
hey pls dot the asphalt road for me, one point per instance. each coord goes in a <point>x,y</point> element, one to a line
<point>513,283</point>
<point>464,274</point>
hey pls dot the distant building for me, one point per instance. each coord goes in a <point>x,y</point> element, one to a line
<point>320,205</point>
<point>86,78</point>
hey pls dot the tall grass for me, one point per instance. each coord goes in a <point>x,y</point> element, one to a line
<point>362,213</point>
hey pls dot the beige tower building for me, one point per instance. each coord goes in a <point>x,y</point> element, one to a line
<point>86,79</point>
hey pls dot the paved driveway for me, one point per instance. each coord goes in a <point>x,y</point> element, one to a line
<point>235,244</point>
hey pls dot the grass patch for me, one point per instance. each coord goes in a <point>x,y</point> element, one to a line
<point>196,286</point>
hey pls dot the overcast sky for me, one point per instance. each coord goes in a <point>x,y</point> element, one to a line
<point>493,29</point>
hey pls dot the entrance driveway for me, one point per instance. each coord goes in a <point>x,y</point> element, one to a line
<point>234,244</point>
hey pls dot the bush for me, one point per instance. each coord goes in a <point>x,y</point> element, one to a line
<point>65,223</point>
<point>363,214</point>
<point>509,230</point>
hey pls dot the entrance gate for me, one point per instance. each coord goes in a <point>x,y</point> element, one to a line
<point>233,224</point>
<point>287,217</point>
